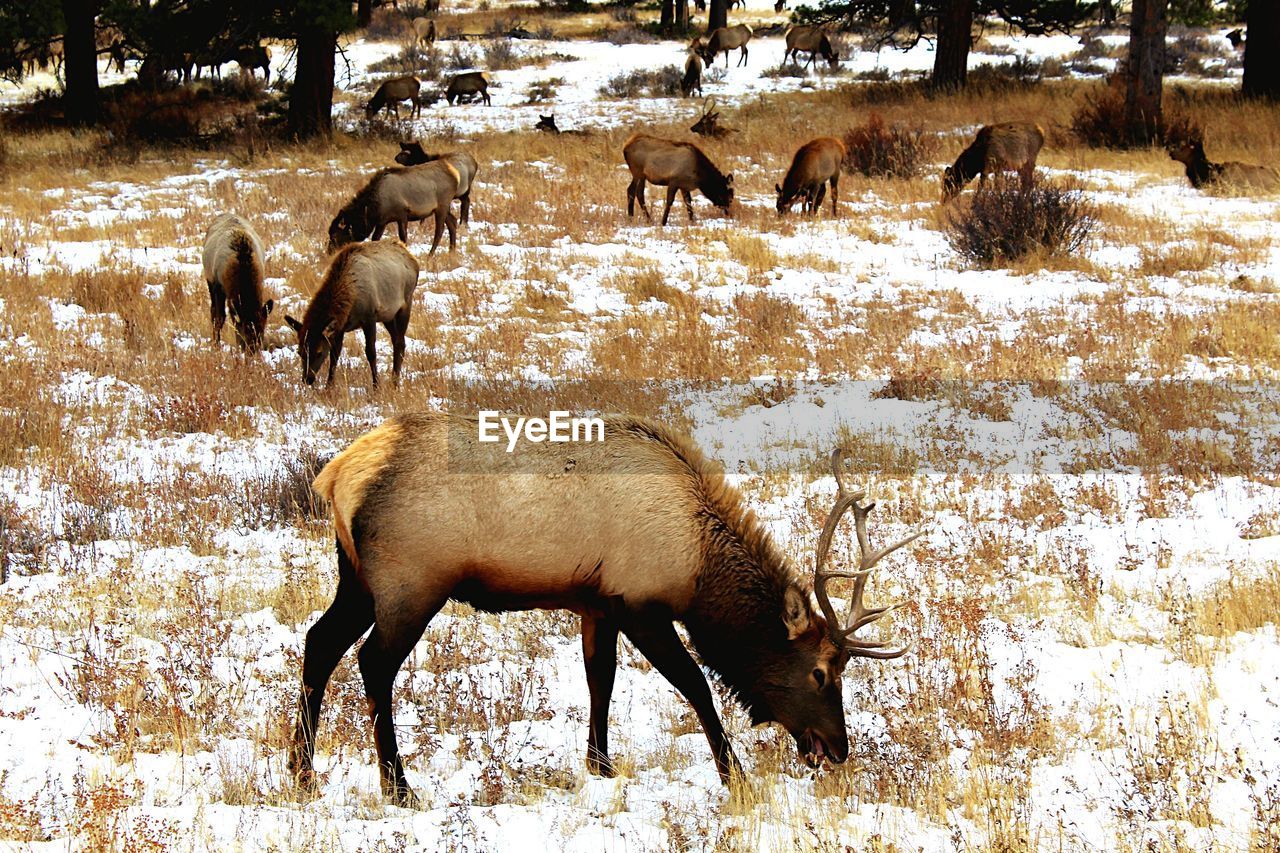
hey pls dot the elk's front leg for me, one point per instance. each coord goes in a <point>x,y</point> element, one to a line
<point>600,655</point>
<point>335,352</point>
<point>371,350</point>
<point>217,310</point>
<point>656,638</point>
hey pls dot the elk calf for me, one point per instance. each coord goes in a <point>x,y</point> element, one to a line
<point>1230,175</point>
<point>1010,146</point>
<point>632,533</point>
<point>816,163</point>
<point>366,284</point>
<point>233,270</point>
<point>678,166</point>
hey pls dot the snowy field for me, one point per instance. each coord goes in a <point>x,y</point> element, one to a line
<point>1091,608</point>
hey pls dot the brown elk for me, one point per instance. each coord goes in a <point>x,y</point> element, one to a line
<point>547,124</point>
<point>233,269</point>
<point>632,533</point>
<point>816,163</point>
<point>708,124</point>
<point>678,166</point>
<point>252,57</point>
<point>411,154</point>
<point>402,195</point>
<point>466,86</point>
<point>692,80</point>
<point>391,93</point>
<point>366,284</point>
<point>1009,146</point>
<point>424,31</point>
<point>1230,175</point>
<point>1237,38</point>
<point>813,41</point>
<point>725,39</point>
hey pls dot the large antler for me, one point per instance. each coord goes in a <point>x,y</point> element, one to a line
<point>859,614</point>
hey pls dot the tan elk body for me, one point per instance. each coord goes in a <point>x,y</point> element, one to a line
<point>399,195</point>
<point>233,269</point>
<point>392,92</point>
<point>680,167</point>
<point>1230,175</point>
<point>365,284</point>
<point>633,533</point>
<point>725,39</point>
<point>815,164</point>
<point>412,154</point>
<point>813,41</point>
<point>1008,146</point>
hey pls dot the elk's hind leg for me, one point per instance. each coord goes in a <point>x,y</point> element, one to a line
<point>217,310</point>
<point>397,329</point>
<point>371,349</point>
<point>600,655</point>
<point>347,618</point>
<point>395,632</point>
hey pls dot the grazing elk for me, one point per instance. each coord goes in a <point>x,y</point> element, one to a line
<point>424,31</point>
<point>708,124</point>
<point>816,163</point>
<point>411,154</point>
<point>725,39</point>
<point>391,93</point>
<point>632,533</point>
<point>692,80</point>
<point>400,195</point>
<point>366,284</point>
<point>678,166</point>
<point>1009,146</point>
<point>467,85</point>
<point>1230,175</point>
<point>233,269</point>
<point>813,41</point>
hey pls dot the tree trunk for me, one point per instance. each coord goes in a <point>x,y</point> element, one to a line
<point>682,16</point>
<point>311,98</point>
<point>955,32</point>
<point>80,55</point>
<point>364,13</point>
<point>668,15</point>
<point>1262,50</point>
<point>718,16</point>
<point>1145,69</point>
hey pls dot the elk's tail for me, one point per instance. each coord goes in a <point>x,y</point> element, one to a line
<point>345,480</point>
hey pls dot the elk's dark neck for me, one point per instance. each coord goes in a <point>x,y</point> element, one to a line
<point>1200,171</point>
<point>969,163</point>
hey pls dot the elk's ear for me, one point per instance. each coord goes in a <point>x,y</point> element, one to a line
<point>796,615</point>
<point>266,309</point>
<point>777,189</point>
<point>293,324</point>
<point>728,179</point>
<point>331,330</point>
<point>405,146</point>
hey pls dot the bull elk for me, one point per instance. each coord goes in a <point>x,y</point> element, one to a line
<point>366,284</point>
<point>813,41</point>
<point>411,154</point>
<point>1009,146</point>
<point>632,533</point>
<point>708,124</point>
<point>233,269</point>
<point>678,166</point>
<point>815,164</point>
<point>725,39</point>
<point>1230,175</point>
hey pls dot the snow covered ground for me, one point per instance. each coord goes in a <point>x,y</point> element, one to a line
<point>1092,607</point>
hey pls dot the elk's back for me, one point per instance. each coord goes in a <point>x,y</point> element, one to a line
<point>1014,142</point>
<point>549,525</point>
<point>218,244</point>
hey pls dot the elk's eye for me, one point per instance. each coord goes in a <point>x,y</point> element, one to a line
<point>819,677</point>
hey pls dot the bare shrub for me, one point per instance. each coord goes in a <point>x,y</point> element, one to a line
<point>543,91</point>
<point>499,55</point>
<point>628,34</point>
<point>660,83</point>
<point>424,63</point>
<point>879,150</point>
<point>284,496</point>
<point>1020,74</point>
<point>1100,122</point>
<point>459,58</point>
<point>786,69</point>
<point>1005,222</point>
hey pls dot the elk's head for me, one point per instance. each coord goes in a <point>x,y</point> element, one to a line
<point>786,199</point>
<point>343,230</point>
<point>1187,152</point>
<point>952,183</point>
<point>411,154</point>
<point>547,123</point>
<point>250,329</point>
<point>313,347</point>
<point>800,680</point>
